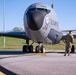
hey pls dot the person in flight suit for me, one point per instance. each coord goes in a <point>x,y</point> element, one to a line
<point>68,41</point>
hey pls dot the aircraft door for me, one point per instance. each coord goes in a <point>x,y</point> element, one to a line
<point>55,36</point>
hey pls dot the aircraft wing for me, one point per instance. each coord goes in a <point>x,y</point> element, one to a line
<point>64,32</point>
<point>21,35</point>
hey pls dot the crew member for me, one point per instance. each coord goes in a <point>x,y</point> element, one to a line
<point>68,41</point>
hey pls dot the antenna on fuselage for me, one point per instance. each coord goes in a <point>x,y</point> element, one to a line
<point>52,4</point>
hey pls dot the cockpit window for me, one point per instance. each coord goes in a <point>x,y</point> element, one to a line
<point>32,9</point>
<point>39,9</point>
<point>48,11</point>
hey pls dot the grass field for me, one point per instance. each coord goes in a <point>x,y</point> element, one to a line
<point>16,44</point>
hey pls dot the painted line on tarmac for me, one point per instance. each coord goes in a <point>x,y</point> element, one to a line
<point>1,73</point>
<point>40,54</point>
<point>4,71</point>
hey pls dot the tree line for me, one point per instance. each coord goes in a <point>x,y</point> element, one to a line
<point>17,29</point>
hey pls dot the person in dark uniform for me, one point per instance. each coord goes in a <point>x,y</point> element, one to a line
<point>68,41</point>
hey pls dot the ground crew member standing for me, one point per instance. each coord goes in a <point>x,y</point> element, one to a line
<point>68,41</point>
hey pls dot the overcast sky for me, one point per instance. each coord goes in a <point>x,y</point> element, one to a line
<point>14,12</point>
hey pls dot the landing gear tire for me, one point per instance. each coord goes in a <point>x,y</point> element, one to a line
<point>30,48</point>
<point>27,48</point>
<point>73,49</point>
<point>37,49</point>
<point>40,48</point>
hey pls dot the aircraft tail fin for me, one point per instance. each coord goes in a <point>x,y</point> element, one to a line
<point>52,4</point>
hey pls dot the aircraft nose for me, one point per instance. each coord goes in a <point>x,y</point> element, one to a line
<point>35,19</point>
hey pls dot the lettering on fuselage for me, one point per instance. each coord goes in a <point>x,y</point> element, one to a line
<point>52,22</point>
<point>43,6</point>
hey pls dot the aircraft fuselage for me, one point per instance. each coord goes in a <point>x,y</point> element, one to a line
<point>41,24</point>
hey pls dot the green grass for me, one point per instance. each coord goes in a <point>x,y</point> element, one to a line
<point>16,44</point>
<point>11,43</point>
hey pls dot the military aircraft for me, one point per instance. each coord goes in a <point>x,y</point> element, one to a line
<point>41,26</point>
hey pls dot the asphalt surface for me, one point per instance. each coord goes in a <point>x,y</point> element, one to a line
<point>49,63</point>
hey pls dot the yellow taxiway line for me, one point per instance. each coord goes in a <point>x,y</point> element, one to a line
<point>40,54</point>
<point>1,73</point>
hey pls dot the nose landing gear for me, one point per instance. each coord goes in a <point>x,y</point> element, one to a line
<point>39,48</point>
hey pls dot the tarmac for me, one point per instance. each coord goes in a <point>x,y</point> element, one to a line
<point>49,63</point>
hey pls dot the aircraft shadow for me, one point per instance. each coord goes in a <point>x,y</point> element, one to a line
<point>11,52</point>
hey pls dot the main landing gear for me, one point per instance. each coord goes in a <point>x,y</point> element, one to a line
<point>28,48</point>
<point>73,49</point>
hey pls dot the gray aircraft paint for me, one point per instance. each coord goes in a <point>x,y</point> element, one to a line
<point>44,33</point>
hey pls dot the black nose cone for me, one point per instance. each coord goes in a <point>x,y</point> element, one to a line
<point>35,19</point>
